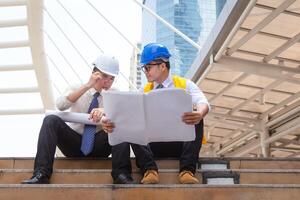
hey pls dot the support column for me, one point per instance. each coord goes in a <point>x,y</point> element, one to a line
<point>264,135</point>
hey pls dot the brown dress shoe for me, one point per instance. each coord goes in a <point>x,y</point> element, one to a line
<point>150,177</point>
<point>187,177</point>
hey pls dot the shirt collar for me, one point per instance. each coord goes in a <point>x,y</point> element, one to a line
<point>166,82</point>
<point>93,91</point>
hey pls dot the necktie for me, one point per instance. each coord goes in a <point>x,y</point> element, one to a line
<point>89,131</point>
<point>159,86</point>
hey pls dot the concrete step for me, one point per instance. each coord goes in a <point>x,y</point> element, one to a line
<point>233,163</point>
<point>167,176</point>
<point>166,192</point>
<point>211,164</point>
<point>61,176</point>
<point>77,163</point>
<point>264,163</point>
<point>220,177</point>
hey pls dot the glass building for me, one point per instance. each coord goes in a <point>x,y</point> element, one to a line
<point>195,18</point>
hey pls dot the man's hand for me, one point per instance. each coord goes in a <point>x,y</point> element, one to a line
<point>107,125</point>
<point>93,79</point>
<point>192,118</point>
<point>196,116</point>
<point>96,114</point>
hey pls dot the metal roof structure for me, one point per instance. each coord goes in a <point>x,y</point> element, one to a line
<point>249,69</point>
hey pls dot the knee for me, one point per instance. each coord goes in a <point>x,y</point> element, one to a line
<point>124,145</point>
<point>52,120</point>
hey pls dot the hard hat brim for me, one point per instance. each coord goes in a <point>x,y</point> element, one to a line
<point>141,65</point>
<point>106,72</point>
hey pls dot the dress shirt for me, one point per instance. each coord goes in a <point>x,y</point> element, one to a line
<point>81,105</point>
<point>191,88</point>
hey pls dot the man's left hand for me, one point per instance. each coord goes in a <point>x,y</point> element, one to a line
<point>96,114</point>
<point>192,118</point>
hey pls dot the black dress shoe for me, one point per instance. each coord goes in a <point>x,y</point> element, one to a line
<point>124,179</point>
<point>38,178</point>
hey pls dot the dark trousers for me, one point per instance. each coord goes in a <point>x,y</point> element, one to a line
<point>186,152</point>
<point>143,155</point>
<point>56,133</point>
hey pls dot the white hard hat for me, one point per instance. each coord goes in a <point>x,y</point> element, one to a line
<point>107,64</point>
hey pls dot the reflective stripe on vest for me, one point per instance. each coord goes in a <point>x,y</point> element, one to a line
<point>179,82</point>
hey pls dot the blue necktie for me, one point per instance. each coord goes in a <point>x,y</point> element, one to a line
<point>89,131</point>
<point>159,86</point>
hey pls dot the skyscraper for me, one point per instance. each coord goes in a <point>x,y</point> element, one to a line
<point>195,18</point>
<point>135,72</point>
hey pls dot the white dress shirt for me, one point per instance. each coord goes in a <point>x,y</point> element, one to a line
<point>81,105</point>
<point>191,88</point>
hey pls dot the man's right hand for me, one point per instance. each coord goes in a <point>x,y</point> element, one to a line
<point>107,125</point>
<point>93,79</point>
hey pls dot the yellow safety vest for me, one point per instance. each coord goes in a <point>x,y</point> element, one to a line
<point>179,82</point>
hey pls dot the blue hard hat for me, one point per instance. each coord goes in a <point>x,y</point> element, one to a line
<point>154,51</point>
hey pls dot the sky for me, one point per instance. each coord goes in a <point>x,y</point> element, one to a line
<point>20,132</point>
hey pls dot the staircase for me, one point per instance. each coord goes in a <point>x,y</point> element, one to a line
<point>220,178</point>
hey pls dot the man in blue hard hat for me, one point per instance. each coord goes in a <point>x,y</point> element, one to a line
<point>156,66</point>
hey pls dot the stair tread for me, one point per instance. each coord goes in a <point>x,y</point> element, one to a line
<point>96,163</point>
<point>149,186</point>
<point>160,170</point>
<point>160,191</point>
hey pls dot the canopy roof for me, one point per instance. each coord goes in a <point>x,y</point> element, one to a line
<point>249,69</point>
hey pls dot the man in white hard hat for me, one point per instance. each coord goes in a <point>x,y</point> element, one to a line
<point>75,139</point>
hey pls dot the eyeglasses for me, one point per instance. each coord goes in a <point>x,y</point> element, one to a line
<point>147,68</point>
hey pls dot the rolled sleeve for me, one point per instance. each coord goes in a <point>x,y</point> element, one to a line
<point>62,102</point>
<point>197,95</point>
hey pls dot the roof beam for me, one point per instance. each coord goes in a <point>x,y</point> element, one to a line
<point>15,44</point>
<point>286,141</point>
<point>280,105</point>
<point>289,12</point>
<point>259,68</point>
<point>232,84</point>
<point>246,149</point>
<point>236,141</point>
<point>222,141</point>
<point>260,26</point>
<point>253,97</point>
<point>288,122</point>
<point>19,90</point>
<point>22,111</point>
<point>273,35</point>
<point>6,3</point>
<point>289,149</point>
<point>282,48</point>
<point>13,23</point>
<point>235,118</point>
<point>283,116</point>
<point>263,55</point>
<point>225,121</point>
<point>15,68</point>
<point>286,109</point>
<point>256,143</point>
